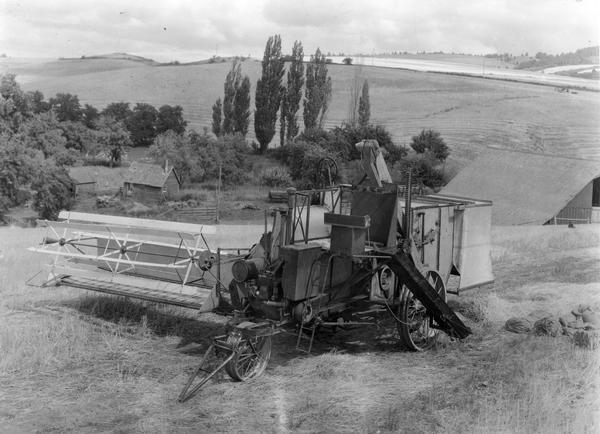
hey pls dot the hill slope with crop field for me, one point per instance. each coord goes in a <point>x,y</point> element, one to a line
<point>76,361</point>
<point>469,112</point>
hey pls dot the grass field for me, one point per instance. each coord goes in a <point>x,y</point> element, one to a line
<point>77,362</point>
<point>470,113</point>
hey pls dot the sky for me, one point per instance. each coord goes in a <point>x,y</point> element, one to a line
<point>187,30</point>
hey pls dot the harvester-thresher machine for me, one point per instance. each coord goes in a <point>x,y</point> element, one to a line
<point>328,253</point>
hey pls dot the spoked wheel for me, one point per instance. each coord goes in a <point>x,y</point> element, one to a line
<point>386,280</point>
<point>327,172</point>
<point>251,356</point>
<point>416,325</point>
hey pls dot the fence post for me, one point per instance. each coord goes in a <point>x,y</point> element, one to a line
<point>219,272</point>
<point>218,196</point>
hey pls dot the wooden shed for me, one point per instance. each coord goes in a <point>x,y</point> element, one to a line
<point>83,180</point>
<point>146,182</point>
<point>530,188</point>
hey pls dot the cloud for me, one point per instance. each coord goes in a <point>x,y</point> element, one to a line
<point>188,30</point>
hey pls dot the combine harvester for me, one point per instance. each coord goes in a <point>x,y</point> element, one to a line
<point>323,263</point>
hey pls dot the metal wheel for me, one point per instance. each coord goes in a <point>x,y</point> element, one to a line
<point>251,356</point>
<point>327,172</point>
<point>387,282</point>
<point>416,325</point>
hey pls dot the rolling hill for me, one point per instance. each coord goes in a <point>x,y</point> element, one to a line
<point>471,113</point>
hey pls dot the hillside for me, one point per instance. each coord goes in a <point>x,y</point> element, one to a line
<point>470,113</point>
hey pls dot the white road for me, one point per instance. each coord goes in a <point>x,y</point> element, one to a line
<point>476,70</point>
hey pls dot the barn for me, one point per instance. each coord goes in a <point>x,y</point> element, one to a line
<point>83,180</point>
<point>147,182</point>
<point>529,188</point>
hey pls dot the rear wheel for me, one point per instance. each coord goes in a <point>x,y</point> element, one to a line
<point>251,356</point>
<point>416,325</point>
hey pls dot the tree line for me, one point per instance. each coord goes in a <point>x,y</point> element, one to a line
<point>39,138</point>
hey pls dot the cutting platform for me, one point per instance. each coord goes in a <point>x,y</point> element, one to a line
<point>148,294</point>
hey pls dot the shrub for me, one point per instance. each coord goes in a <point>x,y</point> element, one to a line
<point>230,153</point>
<point>54,191</point>
<point>275,177</point>
<point>303,160</point>
<point>94,161</point>
<point>341,140</point>
<point>189,194</point>
<point>430,141</point>
<point>425,171</point>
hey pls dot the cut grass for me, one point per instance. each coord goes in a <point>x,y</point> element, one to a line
<point>72,362</point>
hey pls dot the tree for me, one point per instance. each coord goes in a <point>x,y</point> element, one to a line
<point>54,190</point>
<point>37,103</point>
<point>170,118</point>
<point>174,148</point>
<point>268,92</point>
<point>66,107</point>
<point>112,138</point>
<point>430,141</point>
<point>241,109</point>
<point>355,91</point>
<point>78,136</point>
<point>345,137</point>
<point>235,109</point>
<point>293,94</point>
<point>217,116</point>
<point>14,105</point>
<point>347,61</point>
<point>318,91</point>
<point>141,124</point>
<point>232,83</point>
<point>119,111</point>
<point>364,106</point>
<point>89,114</point>
<point>18,165</point>
<point>43,132</point>
<point>282,120</point>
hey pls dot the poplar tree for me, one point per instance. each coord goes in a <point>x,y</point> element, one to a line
<point>268,92</point>
<point>217,117</point>
<point>241,109</point>
<point>364,106</point>
<point>295,82</point>
<point>318,91</point>
<point>232,83</point>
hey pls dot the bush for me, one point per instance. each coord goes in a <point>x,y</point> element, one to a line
<point>342,139</point>
<point>230,153</point>
<point>425,171</point>
<point>189,194</point>
<point>303,160</point>
<point>54,191</point>
<point>430,141</point>
<point>93,161</point>
<point>275,177</point>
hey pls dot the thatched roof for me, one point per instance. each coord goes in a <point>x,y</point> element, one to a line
<point>152,175</point>
<point>525,188</point>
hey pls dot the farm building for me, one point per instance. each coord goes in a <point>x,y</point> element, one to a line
<point>528,188</point>
<point>150,182</point>
<point>83,180</point>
